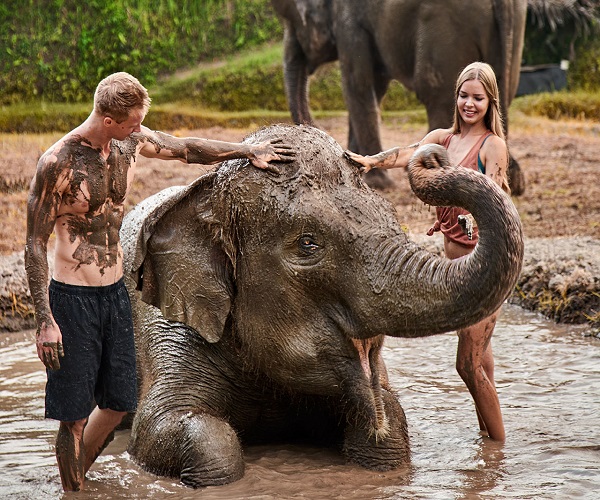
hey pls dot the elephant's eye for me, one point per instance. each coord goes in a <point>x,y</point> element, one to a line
<point>307,245</point>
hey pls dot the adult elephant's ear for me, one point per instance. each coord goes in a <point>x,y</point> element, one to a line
<point>177,263</point>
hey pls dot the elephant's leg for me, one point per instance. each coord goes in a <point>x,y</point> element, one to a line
<point>437,65</point>
<point>380,452</point>
<point>378,178</point>
<point>362,94</point>
<point>381,82</point>
<point>201,449</point>
<point>211,452</point>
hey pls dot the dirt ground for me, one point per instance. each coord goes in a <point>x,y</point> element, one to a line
<point>561,162</point>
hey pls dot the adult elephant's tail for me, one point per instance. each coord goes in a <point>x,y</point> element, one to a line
<point>510,18</point>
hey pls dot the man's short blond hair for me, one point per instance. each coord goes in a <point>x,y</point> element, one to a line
<point>118,94</point>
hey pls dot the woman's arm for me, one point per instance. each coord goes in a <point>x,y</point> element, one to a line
<point>397,157</point>
<point>494,155</point>
<point>391,158</point>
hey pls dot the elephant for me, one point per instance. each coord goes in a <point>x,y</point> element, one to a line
<point>262,298</point>
<point>423,45</point>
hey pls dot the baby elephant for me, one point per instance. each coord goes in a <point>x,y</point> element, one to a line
<point>261,300</point>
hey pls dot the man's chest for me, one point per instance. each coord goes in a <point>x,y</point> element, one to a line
<point>96,182</point>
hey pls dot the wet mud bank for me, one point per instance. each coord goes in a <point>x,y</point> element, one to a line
<point>16,307</point>
<point>560,279</point>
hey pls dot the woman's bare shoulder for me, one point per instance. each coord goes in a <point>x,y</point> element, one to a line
<point>494,142</point>
<point>436,136</point>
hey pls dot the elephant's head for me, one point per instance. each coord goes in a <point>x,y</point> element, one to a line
<point>308,268</point>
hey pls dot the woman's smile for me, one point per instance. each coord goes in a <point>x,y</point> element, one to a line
<point>473,101</point>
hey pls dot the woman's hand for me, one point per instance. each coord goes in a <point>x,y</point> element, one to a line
<point>364,163</point>
<point>392,158</point>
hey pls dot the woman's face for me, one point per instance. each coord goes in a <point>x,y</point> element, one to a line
<point>472,102</point>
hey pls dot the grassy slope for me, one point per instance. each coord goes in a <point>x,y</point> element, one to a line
<point>248,89</point>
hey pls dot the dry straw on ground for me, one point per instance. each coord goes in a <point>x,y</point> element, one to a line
<point>560,209</point>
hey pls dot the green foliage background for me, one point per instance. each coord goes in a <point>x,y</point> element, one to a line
<point>56,51</point>
<point>61,49</point>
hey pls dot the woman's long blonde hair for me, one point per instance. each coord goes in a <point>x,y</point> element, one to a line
<point>493,118</point>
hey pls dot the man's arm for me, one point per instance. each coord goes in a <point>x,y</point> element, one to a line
<point>208,151</point>
<point>42,209</point>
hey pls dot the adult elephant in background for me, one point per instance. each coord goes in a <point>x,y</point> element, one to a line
<point>271,293</point>
<point>422,44</point>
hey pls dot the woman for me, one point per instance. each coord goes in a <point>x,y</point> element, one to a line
<point>476,141</point>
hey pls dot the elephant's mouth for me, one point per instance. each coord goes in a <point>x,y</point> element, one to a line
<point>368,352</point>
<point>363,347</point>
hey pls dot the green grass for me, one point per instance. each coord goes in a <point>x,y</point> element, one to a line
<point>578,104</point>
<point>248,90</point>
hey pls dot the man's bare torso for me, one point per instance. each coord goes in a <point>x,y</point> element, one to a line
<point>94,185</point>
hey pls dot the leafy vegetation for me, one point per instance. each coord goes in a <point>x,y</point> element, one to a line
<point>54,54</point>
<point>58,50</point>
<point>565,30</point>
<point>561,105</point>
<point>233,93</point>
<point>240,83</point>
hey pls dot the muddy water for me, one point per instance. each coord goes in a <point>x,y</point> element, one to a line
<point>548,377</point>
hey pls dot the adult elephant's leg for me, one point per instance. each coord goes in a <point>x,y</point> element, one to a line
<point>377,178</point>
<point>381,82</point>
<point>201,449</point>
<point>435,93</point>
<point>380,452</point>
<point>362,100</point>
<point>516,177</point>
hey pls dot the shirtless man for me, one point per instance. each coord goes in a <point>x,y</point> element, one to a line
<point>78,192</point>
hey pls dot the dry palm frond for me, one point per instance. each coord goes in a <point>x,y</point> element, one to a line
<point>583,14</point>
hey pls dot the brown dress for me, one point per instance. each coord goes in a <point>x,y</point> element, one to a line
<point>447,217</point>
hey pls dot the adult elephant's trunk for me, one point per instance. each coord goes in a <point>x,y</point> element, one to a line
<point>418,293</point>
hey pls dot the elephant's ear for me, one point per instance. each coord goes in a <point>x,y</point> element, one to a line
<point>177,263</point>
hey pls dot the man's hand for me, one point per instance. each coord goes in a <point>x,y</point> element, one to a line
<point>274,150</point>
<point>49,345</point>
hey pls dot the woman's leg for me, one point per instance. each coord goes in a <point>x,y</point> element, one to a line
<point>475,362</point>
<point>475,365</point>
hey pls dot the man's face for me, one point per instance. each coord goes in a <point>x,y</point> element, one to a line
<point>121,131</point>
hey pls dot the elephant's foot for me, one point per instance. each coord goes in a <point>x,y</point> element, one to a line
<point>201,449</point>
<point>380,451</point>
<point>378,179</point>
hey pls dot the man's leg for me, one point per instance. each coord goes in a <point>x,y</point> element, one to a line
<point>99,432</point>
<point>70,454</point>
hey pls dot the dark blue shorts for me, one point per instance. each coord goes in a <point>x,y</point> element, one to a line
<point>99,362</point>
